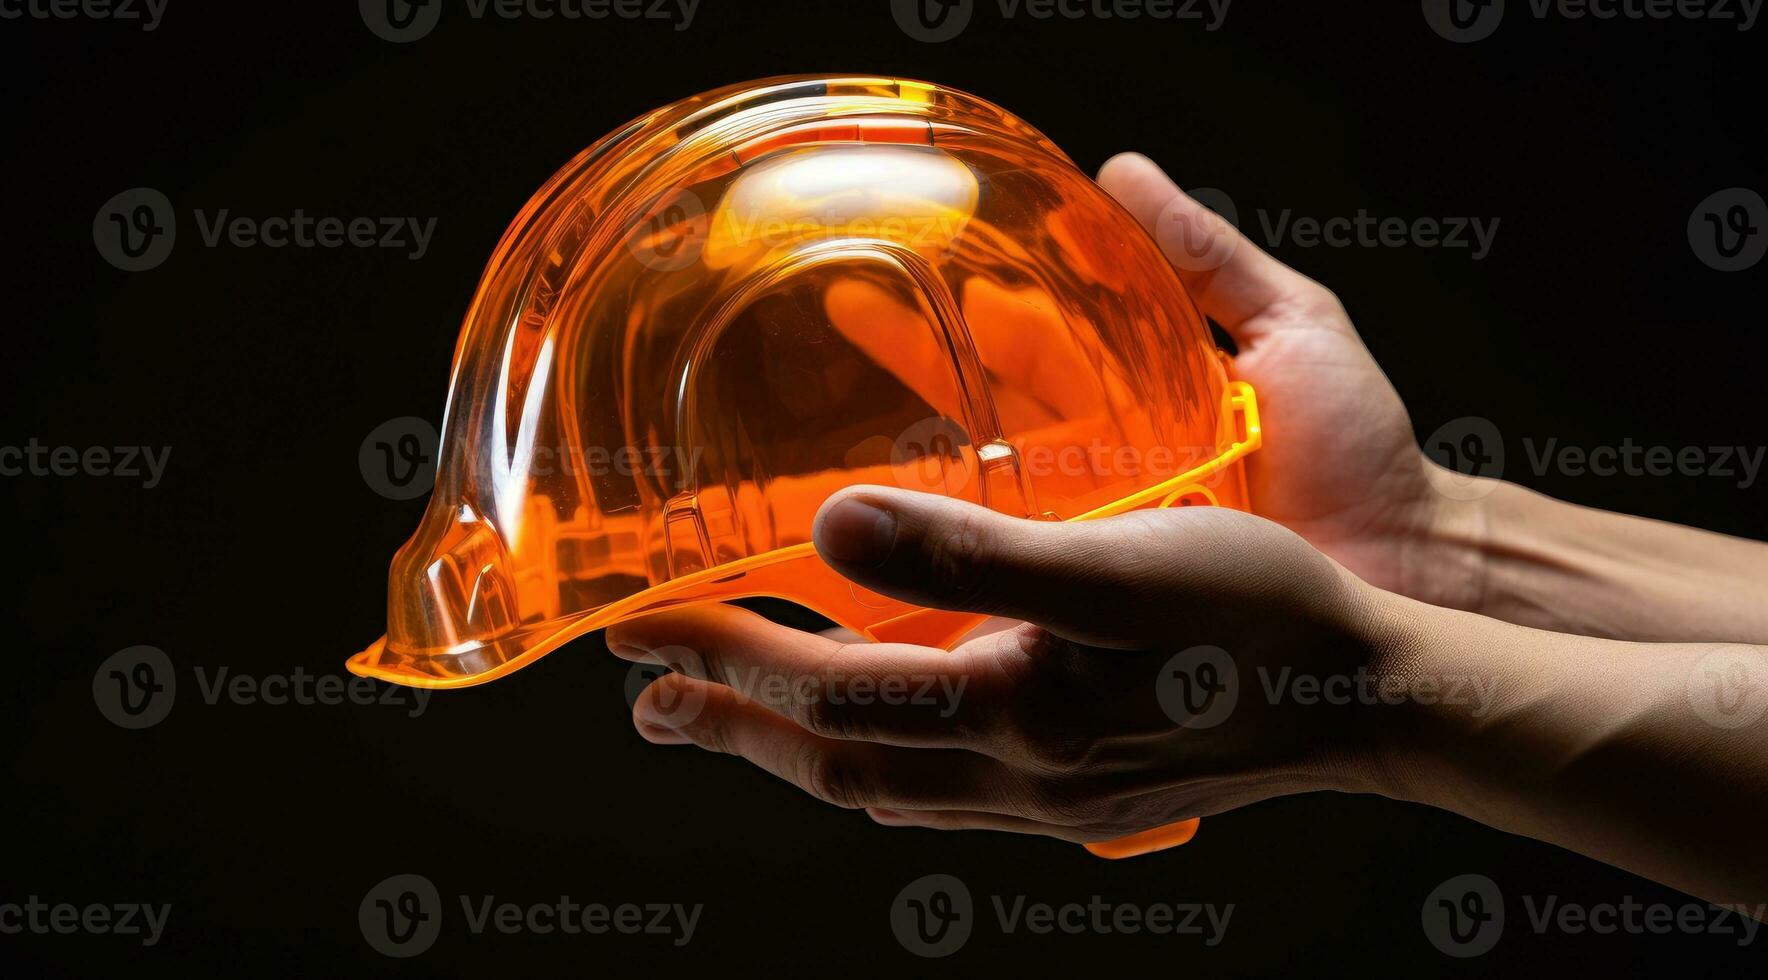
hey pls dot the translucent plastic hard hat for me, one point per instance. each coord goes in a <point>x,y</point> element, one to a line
<point>727,310</point>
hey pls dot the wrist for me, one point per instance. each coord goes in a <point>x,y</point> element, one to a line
<point>1417,703</point>
<point>1446,561</point>
<point>1497,549</point>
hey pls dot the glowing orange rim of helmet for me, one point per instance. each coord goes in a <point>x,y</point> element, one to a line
<point>1240,400</point>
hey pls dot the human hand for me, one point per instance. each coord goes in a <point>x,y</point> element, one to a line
<point>1340,464</point>
<point>1092,720</point>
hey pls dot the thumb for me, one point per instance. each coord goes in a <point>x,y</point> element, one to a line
<point>1234,282</point>
<point>944,553</point>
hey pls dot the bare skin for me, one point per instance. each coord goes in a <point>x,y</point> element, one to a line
<point>1379,637</point>
<point>1343,468</point>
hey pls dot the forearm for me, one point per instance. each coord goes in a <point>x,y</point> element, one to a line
<point>1616,750</point>
<point>1525,558</point>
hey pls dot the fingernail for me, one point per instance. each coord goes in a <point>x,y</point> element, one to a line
<point>628,650</point>
<point>656,726</point>
<point>885,816</point>
<point>857,532</point>
<point>658,735</point>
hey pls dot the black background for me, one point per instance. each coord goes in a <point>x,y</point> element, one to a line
<point>263,549</point>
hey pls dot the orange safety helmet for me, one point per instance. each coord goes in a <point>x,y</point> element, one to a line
<point>732,307</point>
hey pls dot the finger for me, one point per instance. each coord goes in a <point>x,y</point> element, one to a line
<point>1081,580</point>
<point>1236,283</point>
<point>893,693</point>
<point>977,820</point>
<point>847,774</point>
<point>989,627</point>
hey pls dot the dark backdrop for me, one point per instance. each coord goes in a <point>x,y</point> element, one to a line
<point>1591,320</point>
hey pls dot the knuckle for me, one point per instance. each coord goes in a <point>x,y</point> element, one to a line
<point>834,780</point>
<point>1061,752</point>
<point>709,732</point>
<point>1047,749</point>
<point>1060,805</point>
<point>960,552</point>
<point>1043,720</point>
<point>823,715</point>
<point>1315,301</point>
